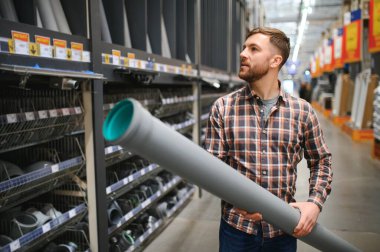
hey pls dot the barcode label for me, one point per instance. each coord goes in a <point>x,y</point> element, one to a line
<point>11,118</point>
<point>78,110</point>
<point>42,114</point>
<point>65,111</point>
<point>29,116</point>
<point>15,245</point>
<point>54,168</point>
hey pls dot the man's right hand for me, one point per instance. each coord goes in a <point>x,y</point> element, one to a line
<point>252,216</point>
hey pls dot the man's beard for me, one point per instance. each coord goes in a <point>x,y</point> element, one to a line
<point>254,74</point>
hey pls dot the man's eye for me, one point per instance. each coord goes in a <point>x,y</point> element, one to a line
<point>253,49</point>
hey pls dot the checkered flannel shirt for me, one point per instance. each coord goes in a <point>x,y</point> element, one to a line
<point>267,152</point>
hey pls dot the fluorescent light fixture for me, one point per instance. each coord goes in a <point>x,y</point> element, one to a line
<point>301,30</point>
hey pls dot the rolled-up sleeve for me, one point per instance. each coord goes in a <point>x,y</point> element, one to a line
<point>318,160</point>
<point>215,139</point>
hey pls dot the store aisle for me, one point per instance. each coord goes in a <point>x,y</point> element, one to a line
<point>352,211</point>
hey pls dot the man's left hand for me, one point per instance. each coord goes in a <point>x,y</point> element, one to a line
<point>309,215</point>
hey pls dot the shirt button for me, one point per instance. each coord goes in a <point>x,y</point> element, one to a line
<point>263,151</point>
<point>264,131</point>
<point>261,110</point>
<point>264,172</point>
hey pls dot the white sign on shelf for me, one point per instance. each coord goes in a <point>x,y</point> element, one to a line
<point>86,56</point>
<point>15,245</point>
<point>46,51</point>
<point>42,114</point>
<point>65,111</point>
<point>11,118</point>
<point>54,168</point>
<point>61,53</point>
<point>29,116</point>
<point>46,228</point>
<point>21,47</point>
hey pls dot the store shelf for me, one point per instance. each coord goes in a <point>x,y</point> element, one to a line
<point>183,125</point>
<point>161,223</point>
<point>204,117</point>
<point>171,212</point>
<point>146,235</point>
<point>43,71</point>
<point>20,130</point>
<point>211,75</point>
<point>51,228</point>
<point>24,183</point>
<point>134,212</point>
<point>146,171</point>
<point>120,62</point>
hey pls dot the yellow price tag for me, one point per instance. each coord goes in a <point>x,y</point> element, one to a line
<point>11,45</point>
<point>33,49</point>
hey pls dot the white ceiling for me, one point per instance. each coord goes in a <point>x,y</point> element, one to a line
<point>286,15</point>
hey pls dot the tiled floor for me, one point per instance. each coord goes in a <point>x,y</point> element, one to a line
<point>352,211</point>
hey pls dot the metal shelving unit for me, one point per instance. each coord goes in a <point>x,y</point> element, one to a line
<point>62,85</point>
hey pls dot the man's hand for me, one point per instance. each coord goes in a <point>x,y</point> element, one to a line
<point>309,215</point>
<point>252,216</point>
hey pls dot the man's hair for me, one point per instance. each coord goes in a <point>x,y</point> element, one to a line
<point>277,38</point>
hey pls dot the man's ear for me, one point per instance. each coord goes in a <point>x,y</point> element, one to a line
<point>276,61</point>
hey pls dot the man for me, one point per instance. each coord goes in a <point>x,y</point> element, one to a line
<point>262,132</point>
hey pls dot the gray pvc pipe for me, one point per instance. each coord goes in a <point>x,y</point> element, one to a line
<point>47,17</point>
<point>128,124</point>
<point>106,35</point>
<point>39,22</point>
<point>8,10</point>
<point>164,40</point>
<point>60,16</point>
<point>127,35</point>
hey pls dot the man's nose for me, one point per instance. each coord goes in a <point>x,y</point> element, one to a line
<point>243,54</point>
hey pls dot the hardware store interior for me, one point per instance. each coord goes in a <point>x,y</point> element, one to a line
<point>66,64</point>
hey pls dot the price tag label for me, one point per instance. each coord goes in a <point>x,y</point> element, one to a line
<point>125,61</point>
<point>76,51</point>
<point>55,168</point>
<point>125,181</point>
<point>86,56</point>
<point>30,116</point>
<point>78,110</point>
<point>33,50</point>
<point>43,45</point>
<point>53,113</point>
<point>46,51</point>
<point>116,57</point>
<point>132,63</point>
<point>72,213</point>
<point>108,190</point>
<point>15,245</point>
<point>11,118</point>
<point>21,42</point>
<point>46,228</point>
<point>61,53</point>
<point>42,114</point>
<point>76,55</point>
<point>21,47</point>
<point>60,49</point>
<point>65,111</point>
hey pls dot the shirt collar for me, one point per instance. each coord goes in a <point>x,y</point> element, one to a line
<point>252,94</point>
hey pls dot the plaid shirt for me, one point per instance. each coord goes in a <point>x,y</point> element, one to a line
<point>268,152</point>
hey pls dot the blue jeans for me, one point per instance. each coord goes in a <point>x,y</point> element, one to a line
<point>234,240</point>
